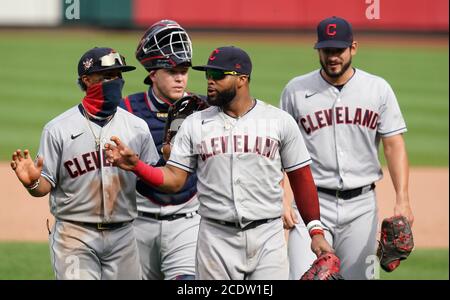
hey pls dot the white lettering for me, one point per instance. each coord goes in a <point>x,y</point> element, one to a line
<point>373,268</point>
<point>373,10</point>
<point>73,270</point>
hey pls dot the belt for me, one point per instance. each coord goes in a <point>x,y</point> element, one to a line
<point>251,225</point>
<point>166,217</point>
<point>100,226</point>
<point>347,194</point>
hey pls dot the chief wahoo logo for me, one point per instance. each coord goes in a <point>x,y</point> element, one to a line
<point>212,57</point>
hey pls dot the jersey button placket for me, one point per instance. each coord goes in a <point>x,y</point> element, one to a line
<point>234,171</point>
<point>104,175</point>
<point>337,138</point>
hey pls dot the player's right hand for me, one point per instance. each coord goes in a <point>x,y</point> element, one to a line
<point>120,155</point>
<point>26,170</point>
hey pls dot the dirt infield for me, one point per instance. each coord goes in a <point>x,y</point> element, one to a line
<point>23,218</point>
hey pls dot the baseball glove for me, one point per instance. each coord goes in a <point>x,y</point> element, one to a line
<point>396,242</point>
<point>325,267</point>
<point>179,111</point>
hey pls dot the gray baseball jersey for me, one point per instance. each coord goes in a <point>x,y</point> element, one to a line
<point>239,161</point>
<point>342,131</point>
<point>87,188</point>
<point>239,164</point>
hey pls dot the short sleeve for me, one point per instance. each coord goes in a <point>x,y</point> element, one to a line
<point>391,121</point>
<point>183,154</point>
<point>294,154</point>
<point>149,153</point>
<point>286,101</point>
<point>50,149</point>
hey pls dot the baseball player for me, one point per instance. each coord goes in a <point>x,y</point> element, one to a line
<point>94,203</point>
<point>239,148</point>
<point>167,224</point>
<point>343,114</point>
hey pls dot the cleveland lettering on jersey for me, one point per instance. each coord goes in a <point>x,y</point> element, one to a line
<point>84,163</point>
<point>239,144</point>
<point>339,115</point>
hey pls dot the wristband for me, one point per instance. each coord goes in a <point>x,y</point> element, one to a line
<point>34,185</point>
<point>314,224</point>
<point>316,231</point>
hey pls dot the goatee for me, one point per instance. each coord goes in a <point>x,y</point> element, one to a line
<point>336,74</point>
<point>222,99</point>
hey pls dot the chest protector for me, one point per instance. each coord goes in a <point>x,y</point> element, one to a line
<point>155,114</point>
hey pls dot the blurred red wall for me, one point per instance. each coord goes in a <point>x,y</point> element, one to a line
<point>409,15</point>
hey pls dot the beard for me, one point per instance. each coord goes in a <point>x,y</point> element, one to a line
<point>222,99</point>
<point>336,74</point>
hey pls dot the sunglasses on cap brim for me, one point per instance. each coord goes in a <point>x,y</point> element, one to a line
<point>215,74</point>
<point>111,59</point>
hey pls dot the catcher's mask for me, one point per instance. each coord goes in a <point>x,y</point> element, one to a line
<point>164,45</point>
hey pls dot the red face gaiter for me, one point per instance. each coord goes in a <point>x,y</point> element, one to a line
<point>102,98</point>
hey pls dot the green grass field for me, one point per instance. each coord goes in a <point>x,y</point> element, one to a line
<point>38,74</point>
<point>32,261</point>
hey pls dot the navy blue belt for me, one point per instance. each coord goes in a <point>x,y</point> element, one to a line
<point>166,217</point>
<point>347,194</point>
<point>100,226</point>
<point>251,225</point>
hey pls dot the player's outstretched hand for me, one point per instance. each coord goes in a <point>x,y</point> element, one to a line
<point>120,155</point>
<point>320,245</point>
<point>26,170</point>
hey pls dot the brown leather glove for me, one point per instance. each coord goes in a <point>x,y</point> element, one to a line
<point>179,111</point>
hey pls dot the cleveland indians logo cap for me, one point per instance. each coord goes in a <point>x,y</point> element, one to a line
<point>229,58</point>
<point>334,32</point>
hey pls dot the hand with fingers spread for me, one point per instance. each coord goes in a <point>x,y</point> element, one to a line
<point>120,155</point>
<point>26,170</point>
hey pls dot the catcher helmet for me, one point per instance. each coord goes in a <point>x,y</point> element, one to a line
<point>164,45</point>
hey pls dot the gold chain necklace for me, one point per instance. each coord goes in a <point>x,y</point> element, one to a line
<point>96,138</point>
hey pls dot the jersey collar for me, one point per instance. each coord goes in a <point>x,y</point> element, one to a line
<point>343,85</point>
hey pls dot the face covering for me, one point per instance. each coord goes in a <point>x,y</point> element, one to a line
<point>102,98</point>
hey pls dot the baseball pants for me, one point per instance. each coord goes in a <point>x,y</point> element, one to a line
<point>79,252</point>
<point>167,248</point>
<point>225,252</point>
<point>351,228</point>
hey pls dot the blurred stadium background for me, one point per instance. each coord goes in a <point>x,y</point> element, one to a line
<point>404,41</point>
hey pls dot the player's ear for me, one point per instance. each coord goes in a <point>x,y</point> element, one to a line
<point>243,80</point>
<point>354,48</point>
<point>85,82</point>
<point>152,75</point>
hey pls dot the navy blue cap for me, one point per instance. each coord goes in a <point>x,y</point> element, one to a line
<point>101,59</point>
<point>334,32</point>
<point>228,58</point>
